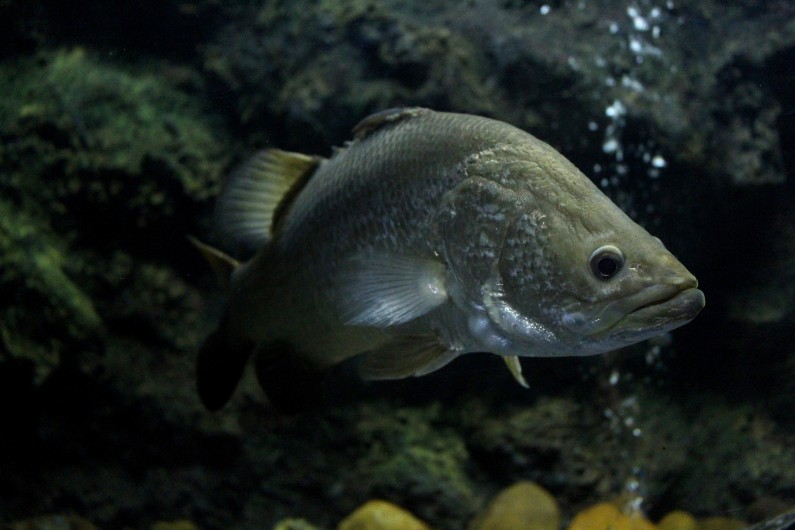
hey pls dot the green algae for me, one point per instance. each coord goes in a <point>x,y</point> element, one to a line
<point>411,457</point>
<point>43,308</point>
<point>118,139</point>
<point>103,169</point>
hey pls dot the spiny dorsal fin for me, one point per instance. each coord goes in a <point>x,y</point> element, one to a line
<point>222,265</point>
<point>254,192</point>
<point>373,122</point>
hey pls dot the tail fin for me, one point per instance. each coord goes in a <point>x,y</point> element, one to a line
<point>220,365</point>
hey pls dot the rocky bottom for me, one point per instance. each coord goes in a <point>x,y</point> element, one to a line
<point>522,506</point>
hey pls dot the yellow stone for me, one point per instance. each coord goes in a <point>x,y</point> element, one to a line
<point>721,523</point>
<point>606,516</point>
<point>678,520</point>
<point>381,515</point>
<point>523,506</point>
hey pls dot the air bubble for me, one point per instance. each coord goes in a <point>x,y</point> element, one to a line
<point>616,110</point>
<point>610,146</point>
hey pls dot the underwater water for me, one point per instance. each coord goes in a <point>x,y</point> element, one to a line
<point>118,125</point>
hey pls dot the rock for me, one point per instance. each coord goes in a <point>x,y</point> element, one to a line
<point>381,515</point>
<point>410,457</point>
<point>606,516</point>
<point>292,523</point>
<point>678,520</point>
<point>523,506</point>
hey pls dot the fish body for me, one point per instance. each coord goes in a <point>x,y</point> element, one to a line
<point>429,236</point>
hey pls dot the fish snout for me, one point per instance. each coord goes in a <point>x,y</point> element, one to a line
<point>680,280</point>
<point>683,299</point>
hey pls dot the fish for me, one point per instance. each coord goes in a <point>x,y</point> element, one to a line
<point>428,236</point>
<point>785,521</point>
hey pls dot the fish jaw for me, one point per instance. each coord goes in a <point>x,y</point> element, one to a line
<point>662,315</point>
<point>650,311</point>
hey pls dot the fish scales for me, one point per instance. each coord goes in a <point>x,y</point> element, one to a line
<point>394,175</point>
<point>428,236</point>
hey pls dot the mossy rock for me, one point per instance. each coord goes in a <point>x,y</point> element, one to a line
<point>43,310</point>
<point>414,460</point>
<point>104,169</point>
<point>91,144</point>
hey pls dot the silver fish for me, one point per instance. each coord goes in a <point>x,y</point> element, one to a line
<point>428,236</point>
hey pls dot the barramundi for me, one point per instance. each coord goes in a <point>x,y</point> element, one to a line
<point>428,236</point>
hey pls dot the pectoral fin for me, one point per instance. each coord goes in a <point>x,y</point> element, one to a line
<point>413,355</point>
<point>383,290</point>
<point>512,362</point>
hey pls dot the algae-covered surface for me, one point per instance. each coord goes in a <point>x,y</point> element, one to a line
<point>117,128</point>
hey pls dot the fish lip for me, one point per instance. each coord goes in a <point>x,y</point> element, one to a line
<point>655,306</point>
<point>683,305</point>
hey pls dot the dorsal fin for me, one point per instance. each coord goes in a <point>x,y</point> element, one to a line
<point>246,208</point>
<point>373,122</point>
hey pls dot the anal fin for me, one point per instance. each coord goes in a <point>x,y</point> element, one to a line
<point>412,355</point>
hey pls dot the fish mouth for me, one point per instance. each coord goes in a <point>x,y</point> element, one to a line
<point>664,313</point>
<point>654,309</point>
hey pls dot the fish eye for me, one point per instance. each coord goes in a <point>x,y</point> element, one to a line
<point>606,261</point>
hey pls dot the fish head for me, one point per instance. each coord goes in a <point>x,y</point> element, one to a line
<point>574,264</point>
<point>559,268</point>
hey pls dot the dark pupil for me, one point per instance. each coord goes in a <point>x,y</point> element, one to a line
<point>607,266</point>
